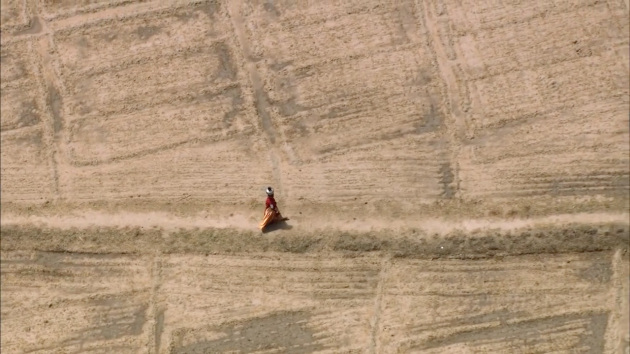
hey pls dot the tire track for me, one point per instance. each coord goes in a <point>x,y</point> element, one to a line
<point>375,333</point>
<point>51,86</point>
<point>157,314</point>
<point>37,37</point>
<point>444,58</point>
<point>617,337</point>
<point>261,100</point>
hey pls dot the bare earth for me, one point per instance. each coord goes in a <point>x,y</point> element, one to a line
<point>456,172</point>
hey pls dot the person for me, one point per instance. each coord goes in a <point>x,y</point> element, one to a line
<point>271,201</point>
<point>272,213</point>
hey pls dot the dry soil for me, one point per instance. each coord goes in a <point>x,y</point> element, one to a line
<point>457,175</point>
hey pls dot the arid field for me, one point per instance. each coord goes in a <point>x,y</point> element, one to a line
<point>456,174</point>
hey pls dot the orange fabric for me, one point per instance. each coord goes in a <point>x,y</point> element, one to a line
<point>268,218</point>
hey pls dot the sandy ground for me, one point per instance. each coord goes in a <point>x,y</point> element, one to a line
<point>457,176</point>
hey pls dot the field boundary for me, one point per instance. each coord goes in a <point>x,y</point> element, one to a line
<point>399,243</point>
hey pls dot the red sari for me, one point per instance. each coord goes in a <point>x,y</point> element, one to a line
<point>272,214</point>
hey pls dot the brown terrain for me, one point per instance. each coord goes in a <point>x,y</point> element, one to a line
<point>457,175</point>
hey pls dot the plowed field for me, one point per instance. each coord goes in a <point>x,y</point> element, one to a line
<point>456,173</point>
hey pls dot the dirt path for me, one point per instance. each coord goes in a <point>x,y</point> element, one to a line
<point>171,222</point>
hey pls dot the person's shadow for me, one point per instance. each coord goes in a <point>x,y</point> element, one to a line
<point>279,225</point>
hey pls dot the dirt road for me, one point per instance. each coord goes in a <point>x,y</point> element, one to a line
<point>456,173</point>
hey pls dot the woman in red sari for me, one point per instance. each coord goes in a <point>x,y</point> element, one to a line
<point>272,213</point>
